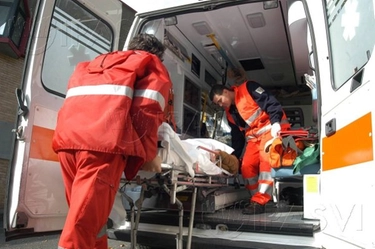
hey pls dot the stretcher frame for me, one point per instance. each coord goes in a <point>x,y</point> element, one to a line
<point>174,179</point>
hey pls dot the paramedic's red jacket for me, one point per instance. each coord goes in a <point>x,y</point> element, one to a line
<point>115,104</point>
<point>255,110</point>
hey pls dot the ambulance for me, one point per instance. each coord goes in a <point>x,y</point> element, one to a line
<point>315,56</point>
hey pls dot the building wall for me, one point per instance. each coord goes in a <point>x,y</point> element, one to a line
<point>10,79</point>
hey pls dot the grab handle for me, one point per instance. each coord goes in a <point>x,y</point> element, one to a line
<point>331,127</point>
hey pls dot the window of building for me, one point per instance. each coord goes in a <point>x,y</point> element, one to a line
<point>14,27</point>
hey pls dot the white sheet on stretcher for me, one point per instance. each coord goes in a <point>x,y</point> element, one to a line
<point>187,154</point>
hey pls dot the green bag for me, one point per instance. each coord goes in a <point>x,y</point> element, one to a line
<point>309,156</point>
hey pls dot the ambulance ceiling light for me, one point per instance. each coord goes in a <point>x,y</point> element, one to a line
<point>170,21</point>
<point>270,4</point>
<point>256,20</point>
<point>202,28</point>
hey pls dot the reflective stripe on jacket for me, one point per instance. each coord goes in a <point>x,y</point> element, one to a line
<point>115,104</point>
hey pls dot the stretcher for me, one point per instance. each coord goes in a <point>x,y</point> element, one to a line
<point>191,164</point>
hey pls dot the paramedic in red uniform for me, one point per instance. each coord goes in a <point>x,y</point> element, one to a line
<point>107,125</point>
<point>255,111</point>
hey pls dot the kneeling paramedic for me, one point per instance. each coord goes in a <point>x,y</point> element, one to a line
<point>255,111</point>
<point>108,125</point>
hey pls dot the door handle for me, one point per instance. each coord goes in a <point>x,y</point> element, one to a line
<point>310,64</point>
<point>331,127</point>
<point>19,133</point>
<point>22,108</point>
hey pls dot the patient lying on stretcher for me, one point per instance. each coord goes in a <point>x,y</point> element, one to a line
<point>196,155</point>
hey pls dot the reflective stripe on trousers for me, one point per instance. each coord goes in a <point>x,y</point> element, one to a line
<point>262,184</point>
<point>256,170</point>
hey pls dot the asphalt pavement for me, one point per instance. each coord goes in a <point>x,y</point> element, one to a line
<point>45,241</point>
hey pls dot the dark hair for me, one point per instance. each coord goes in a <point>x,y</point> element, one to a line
<point>217,90</point>
<point>149,43</point>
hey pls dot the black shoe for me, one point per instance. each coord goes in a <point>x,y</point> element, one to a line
<point>254,208</point>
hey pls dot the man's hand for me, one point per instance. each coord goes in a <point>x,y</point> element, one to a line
<point>275,128</point>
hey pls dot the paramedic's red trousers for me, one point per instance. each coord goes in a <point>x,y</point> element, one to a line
<point>256,170</point>
<point>91,181</point>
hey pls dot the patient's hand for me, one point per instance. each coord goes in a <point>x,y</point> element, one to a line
<point>152,166</point>
<point>213,156</point>
<point>229,162</point>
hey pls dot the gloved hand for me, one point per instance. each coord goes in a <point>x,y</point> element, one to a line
<point>229,162</point>
<point>275,128</point>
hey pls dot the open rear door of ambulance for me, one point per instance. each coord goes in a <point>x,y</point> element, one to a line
<point>347,123</point>
<point>64,33</point>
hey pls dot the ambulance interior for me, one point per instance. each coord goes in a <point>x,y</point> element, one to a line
<point>265,41</point>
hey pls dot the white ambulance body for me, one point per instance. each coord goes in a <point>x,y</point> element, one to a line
<point>284,45</point>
